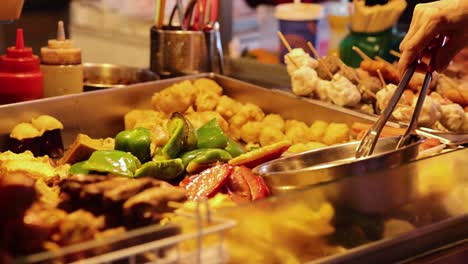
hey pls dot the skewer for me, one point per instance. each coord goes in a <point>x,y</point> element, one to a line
<point>285,42</point>
<point>316,55</point>
<point>378,58</point>
<point>395,53</point>
<point>361,53</point>
<point>382,80</point>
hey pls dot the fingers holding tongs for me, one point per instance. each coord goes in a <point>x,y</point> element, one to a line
<point>368,142</point>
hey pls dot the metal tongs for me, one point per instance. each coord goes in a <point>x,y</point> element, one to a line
<point>368,142</point>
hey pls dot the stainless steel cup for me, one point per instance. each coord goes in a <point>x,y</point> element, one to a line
<point>177,52</point>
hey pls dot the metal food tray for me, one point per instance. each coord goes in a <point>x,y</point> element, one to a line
<point>100,114</point>
<point>430,194</point>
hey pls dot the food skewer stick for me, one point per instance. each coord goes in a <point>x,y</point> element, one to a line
<point>382,80</point>
<point>286,44</point>
<point>395,53</point>
<point>316,55</point>
<point>361,53</point>
<point>378,58</point>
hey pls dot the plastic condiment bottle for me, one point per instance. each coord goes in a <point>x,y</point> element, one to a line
<point>20,75</point>
<point>61,66</point>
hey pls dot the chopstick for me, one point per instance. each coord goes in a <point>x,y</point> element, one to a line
<point>161,12</point>
<point>180,9</point>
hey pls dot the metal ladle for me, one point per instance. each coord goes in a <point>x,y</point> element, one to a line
<point>367,144</point>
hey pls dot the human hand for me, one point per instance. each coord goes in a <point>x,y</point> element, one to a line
<point>448,17</point>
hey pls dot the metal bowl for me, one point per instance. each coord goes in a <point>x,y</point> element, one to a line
<point>323,165</point>
<point>100,75</point>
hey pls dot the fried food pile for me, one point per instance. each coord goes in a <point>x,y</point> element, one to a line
<point>328,79</point>
<point>202,100</point>
<point>49,213</point>
<point>293,232</point>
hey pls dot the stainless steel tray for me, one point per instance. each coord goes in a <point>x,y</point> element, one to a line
<point>429,194</point>
<point>100,113</point>
<point>334,162</point>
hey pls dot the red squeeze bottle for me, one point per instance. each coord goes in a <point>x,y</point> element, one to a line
<point>20,74</point>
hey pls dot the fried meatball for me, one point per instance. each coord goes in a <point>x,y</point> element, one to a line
<point>270,136</point>
<point>349,73</point>
<point>143,118</point>
<point>227,106</point>
<point>253,112</point>
<point>235,124</point>
<point>250,132</point>
<point>368,88</point>
<point>302,147</point>
<point>317,130</point>
<point>206,101</point>
<point>176,98</point>
<point>297,132</point>
<point>274,120</point>
<point>288,124</point>
<point>336,133</point>
<point>207,85</point>
<point>332,63</point>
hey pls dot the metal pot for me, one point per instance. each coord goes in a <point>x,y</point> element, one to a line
<point>101,75</point>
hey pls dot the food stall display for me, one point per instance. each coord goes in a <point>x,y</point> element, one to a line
<point>100,179</point>
<point>159,135</point>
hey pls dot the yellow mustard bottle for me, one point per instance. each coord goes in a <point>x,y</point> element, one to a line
<point>61,66</point>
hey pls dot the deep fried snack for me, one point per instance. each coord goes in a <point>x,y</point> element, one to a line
<point>270,136</point>
<point>297,131</point>
<point>204,85</point>
<point>317,131</point>
<point>274,120</point>
<point>250,132</point>
<point>332,63</point>
<point>336,133</point>
<point>143,118</point>
<point>176,98</point>
<point>227,106</point>
<point>206,101</point>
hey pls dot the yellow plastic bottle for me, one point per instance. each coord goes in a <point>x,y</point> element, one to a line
<point>61,66</point>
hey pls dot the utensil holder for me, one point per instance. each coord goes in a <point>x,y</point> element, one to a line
<point>176,52</point>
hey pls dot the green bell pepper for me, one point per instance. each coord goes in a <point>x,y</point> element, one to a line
<point>210,135</point>
<point>112,161</point>
<point>77,168</point>
<point>190,134</point>
<point>205,159</point>
<point>165,170</point>
<point>234,148</point>
<point>183,137</point>
<point>174,145</point>
<point>136,141</point>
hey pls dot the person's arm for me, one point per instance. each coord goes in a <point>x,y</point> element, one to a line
<point>448,17</point>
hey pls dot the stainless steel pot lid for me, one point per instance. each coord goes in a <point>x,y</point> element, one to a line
<point>322,165</point>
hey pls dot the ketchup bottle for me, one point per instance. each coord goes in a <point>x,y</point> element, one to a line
<point>20,74</point>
